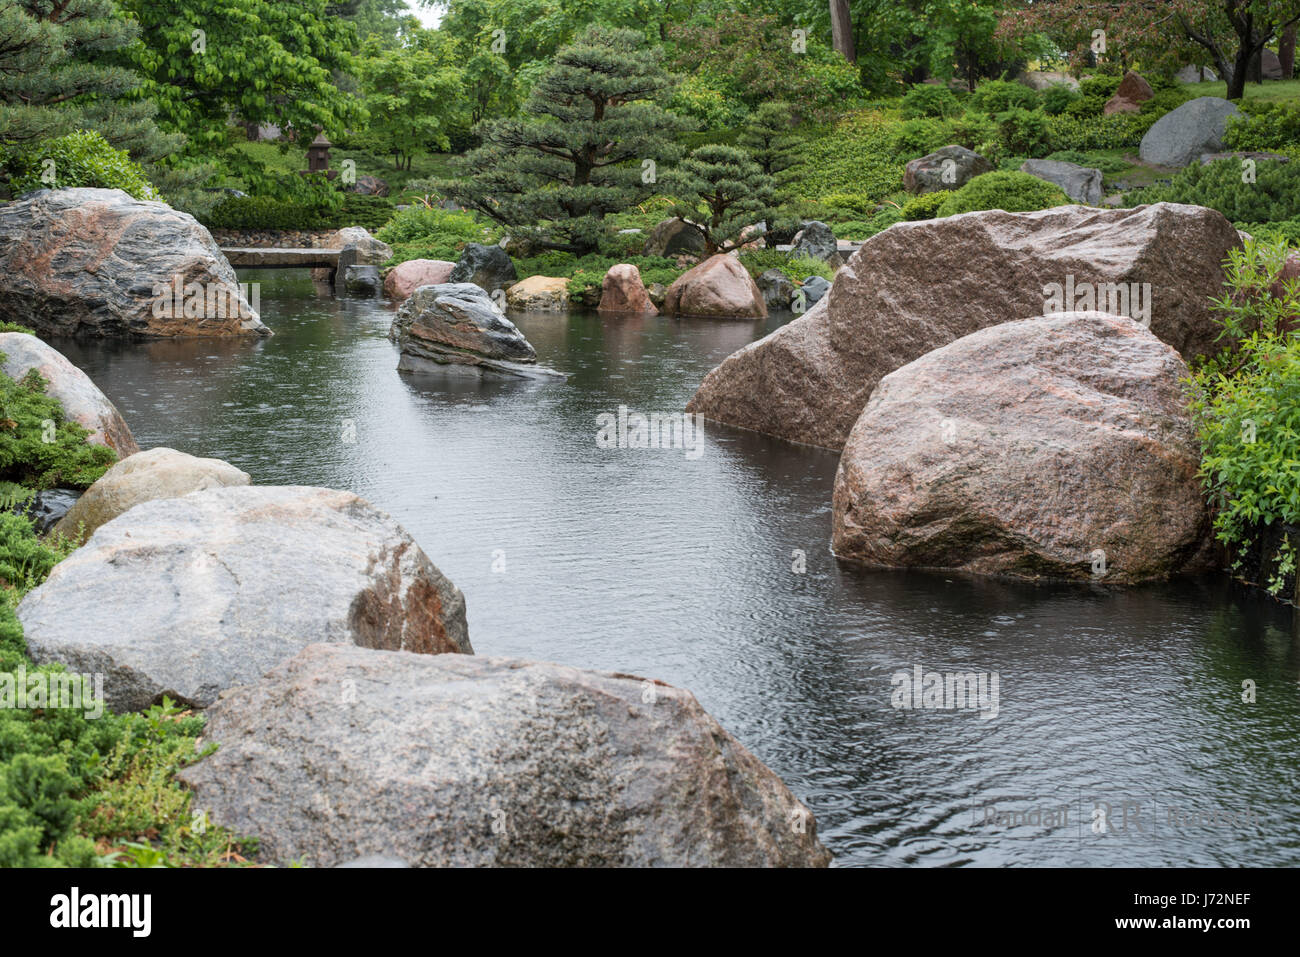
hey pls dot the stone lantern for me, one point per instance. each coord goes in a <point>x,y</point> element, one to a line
<point>318,155</point>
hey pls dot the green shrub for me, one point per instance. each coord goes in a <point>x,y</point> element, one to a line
<point>1271,126</point>
<point>1286,232</point>
<point>422,232</point>
<point>40,447</point>
<point>1167,99</point>
<point>1010,191</point>
<point>1117,131</point>
<point>915,138</point>
<point>972,130</point>
<point>1274,196</point>
<point>1246,404</point>
<point>796,268</point>
<point>266,213</point>
<point>1057,98</point>
<point>854,155</point>
<point>925,206</point>
<point>997,96</point>
<point>927,100</point>
<point>854,203</point>
<point>82,158</point>
<point>854,229</point>
<point>1024,132</point>
<point>1093,94</point>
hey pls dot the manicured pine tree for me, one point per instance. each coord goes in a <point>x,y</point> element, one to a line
<point>720,191</point>
<point>767,137</point>
<point>592,142</point>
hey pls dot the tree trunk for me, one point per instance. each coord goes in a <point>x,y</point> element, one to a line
<point>1240,71</point>
<point>842,30</point>
<point>1286,51</point>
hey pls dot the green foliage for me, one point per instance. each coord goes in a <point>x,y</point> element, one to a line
<point>24,559</point>
<point>1024,132</point>
<point>768,137</point>
<point>578,155</point>
<point>1274,196</point>
<point>928,100</point>
<point>1093,94</point>
<point>1117,131</point>
<point>796,268</point>
<point>854,155</point>
<point>1268,126</point>
<point>264,61</point>
<point>1164,100</point>
<point>39,445</point>
<point>924,206</point>
<point>1107,164</point>
<point>724,191</point>
<point>1013,192</point>
<point>1286,232</point>
<point>260,212</point>
<point>82,158</point>
<point>997,96</point>
<point>424,232</point>
<point>915,138</point>
<point>1058,98</point>
<point>1246,400</point>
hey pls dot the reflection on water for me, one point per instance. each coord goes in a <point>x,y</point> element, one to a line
<point>648,562</point>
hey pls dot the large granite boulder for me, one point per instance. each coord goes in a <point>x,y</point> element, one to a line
<point>98,263</point>
<point>1133,91</point>
<point>453,761</point>
<point>357,248</point>
<point>1270,65</point>
<point>623,292</point>
<point>1057,447</point>
<point>917,286</point>
<point>145,476</point>
<point>1180,136</point>
<point>488,267</point>
<point>81,399</point>
<point>539,294</point>
<point>674,237</point>
<point>455,327</point>
<point>404,278</point>
<point>1081,183</point>
<point>1045,79</point>
<point>720,287</point>
<point>817,240</point>
<point>1196,74</point>
<point>189,596</point>
<point>951,167</point>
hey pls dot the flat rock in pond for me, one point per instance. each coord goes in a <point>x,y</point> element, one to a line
<point>186,597</point>
<point>449,760</point>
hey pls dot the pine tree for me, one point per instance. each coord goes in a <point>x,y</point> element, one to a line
<point>720,192</point>
<point>767,137</point>
<point>591,143</point>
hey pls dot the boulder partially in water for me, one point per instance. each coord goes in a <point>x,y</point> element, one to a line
<point>404,278</point>
<point>81,399</point>
<point>456,761</point>
<point>488,267</point>
<point>98,263</point>
<point>186,597</point>
<point>1058,447</point>
<point>358,248</point>
<point>622,291</point>
<point>718,288</point>
<point>455,327</point>
<point>145,476</point>
<point>919,285</point>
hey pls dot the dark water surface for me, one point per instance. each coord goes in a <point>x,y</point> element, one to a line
<point>649,562</point>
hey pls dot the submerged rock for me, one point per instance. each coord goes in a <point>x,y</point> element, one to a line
<point>98,263</point>
<point>917,286</point>
<point>358,248</point>
<point>1056,447</point>
<point>362,280</point>
<point>454,327</point>
<point>186,597</point>
<point>456,761</point>
<point>145,476</point>
<point>81,399</point>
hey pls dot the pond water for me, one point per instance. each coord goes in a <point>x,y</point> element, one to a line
<point>1116,707</point>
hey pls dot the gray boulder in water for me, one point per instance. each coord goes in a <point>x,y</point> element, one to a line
<point>186,597</point>
<point>98,263</point>
<point>449,760</point>
<point>488,267</point>
<point>455,327</point>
